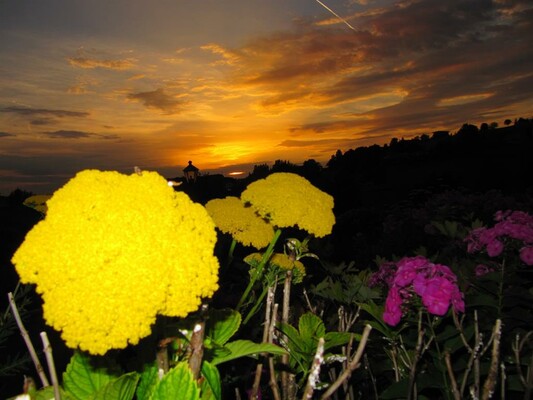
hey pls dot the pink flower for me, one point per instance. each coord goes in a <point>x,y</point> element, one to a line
<point>393,307</point>
<point>437,295</point>
<point>435,284</point>
<point>526,255</point>
<point>516,225</point>
<point>482,269</point>
<point>458,301</point>
<point>494,248</point>
<point>408,268</point>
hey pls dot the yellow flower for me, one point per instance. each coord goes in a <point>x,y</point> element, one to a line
<point>289,200</point>
<point>113,252</point>
<point>281,261</point>
<point>242,223</point>
<point>37,202</point>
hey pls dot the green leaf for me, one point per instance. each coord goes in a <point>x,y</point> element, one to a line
<point>82,380</point>
<point>177,384</point>
<point>243,348</point>
<point>148,382</point>
<point>398,390</point>
<point>334,339</point>
<point>47,393</point>
<point>311,329</point>
<point>211,388</point>
<point>122,388</point>
<point>222,325</point>
<point>295,343</point>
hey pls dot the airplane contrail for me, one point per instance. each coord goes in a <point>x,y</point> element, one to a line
<point>335,14</point>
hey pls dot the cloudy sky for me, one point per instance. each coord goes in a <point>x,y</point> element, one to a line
<point>113,84</point>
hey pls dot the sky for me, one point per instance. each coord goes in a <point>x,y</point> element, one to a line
<point>114,84</point>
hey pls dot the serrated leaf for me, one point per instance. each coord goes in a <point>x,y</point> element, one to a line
<point>398,390</point>
<point>334,339</point>
<point>177,384</point>
<point>148,381</point>
<point>82,380</point>
<point>47,393</point>
<point>244,348</point>
<point>211,388</point>
<point>122,388</point>
<point>222,325</point>
<point>295,342</point>
<point>311,329</point>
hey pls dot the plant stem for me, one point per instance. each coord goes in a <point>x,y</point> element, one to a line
<point>27,340</point>
<point>285,384</point>
<point>230,252</point>
<point>490,382</point>
<point>51,365</point>
<point>266,327</point>
<point>455,389</point>
<point>353,365</point>
<point>259,271</point>
<point>315,370</point>
<point>197,349</point>
<point>273,384</point>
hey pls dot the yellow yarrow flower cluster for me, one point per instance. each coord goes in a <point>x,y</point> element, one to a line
<point>288,200</point>
<point>242,223</point>
<point>281,261</point>
<point>113,252</point>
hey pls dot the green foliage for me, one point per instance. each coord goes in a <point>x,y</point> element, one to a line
<point>210,388</point>
<point>222,325</point>
<point>302,342</point>
<point>82,381</point>
<point>345,285</point>
<point>244,348</point>
<point>177,384</point>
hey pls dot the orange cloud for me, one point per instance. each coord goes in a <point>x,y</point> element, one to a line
<point>89,63</point>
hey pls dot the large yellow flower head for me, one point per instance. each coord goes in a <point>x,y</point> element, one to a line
<point>289,200</point>
<point>113,252</point>
<point>242,223</point>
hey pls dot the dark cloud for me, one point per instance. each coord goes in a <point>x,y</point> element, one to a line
<point>66,134</point>
<point>420,55</point>
<point>308,143</point>
<point>158,99</point>
<point>42,121</point>
<point>24,111</point>
<point>5,134</point>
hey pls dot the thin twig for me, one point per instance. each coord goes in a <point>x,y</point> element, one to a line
<point>490,382</point>
<point>272,382</point>
<point>412,372</point>
<point>27,340</point>
<point>266,327</point>
<point>285,381</point>
<point>197,349</point>
<point>51,366</point>
<point>315,370</point>
<point>455,389</point>
<point>353,365</point>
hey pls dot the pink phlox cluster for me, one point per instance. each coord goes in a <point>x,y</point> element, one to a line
<point>482,269</point>
<point>435,284</point>
<point>517,225</point>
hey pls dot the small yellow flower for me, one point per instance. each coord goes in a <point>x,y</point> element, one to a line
<point>289,200</point>
<point>242,223</point>
<point>37,202</point>
<point>113,252</point>
<point>281,261</point>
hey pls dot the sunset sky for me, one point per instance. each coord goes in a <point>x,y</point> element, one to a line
<point>231,83</point>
